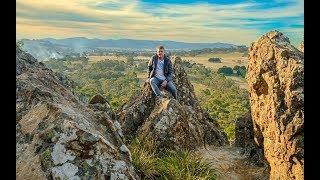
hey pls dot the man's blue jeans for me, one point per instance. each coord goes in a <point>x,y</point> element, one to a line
<point>155,83</point>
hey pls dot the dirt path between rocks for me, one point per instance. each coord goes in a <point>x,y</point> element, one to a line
<point>231,164</point>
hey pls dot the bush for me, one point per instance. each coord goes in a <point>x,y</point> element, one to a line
<point>236,67</point>
<point>120,67</point>
<point>215,60</point>
<point>89,90</point>
<point>242,71</point>
<point>230,131</point>
<point>225,70</point>
<point>186,64</point>
<point>130,60</point>
<point>142,66</point>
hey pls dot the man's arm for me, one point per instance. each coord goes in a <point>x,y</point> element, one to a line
<point>150,67</point>
<point>170,71</point>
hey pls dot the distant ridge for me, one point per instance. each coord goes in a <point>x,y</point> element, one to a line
<point>49,47</point>
<point>134,44</point>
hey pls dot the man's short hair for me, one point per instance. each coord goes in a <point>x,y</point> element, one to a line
<point>160,47</point>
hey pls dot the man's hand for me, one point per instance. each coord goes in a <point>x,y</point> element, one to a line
<point>164,83</point>
<point>146,83</point>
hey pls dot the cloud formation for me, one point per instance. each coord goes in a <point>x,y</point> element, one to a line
<point>237,23</point>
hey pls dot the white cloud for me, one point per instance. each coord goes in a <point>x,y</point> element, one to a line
<point>200,22</point>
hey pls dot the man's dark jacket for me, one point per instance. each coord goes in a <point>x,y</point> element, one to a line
<point>167,67</point>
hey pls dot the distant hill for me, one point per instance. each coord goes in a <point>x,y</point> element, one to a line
<point>81,42</point>
<point>44,49</point>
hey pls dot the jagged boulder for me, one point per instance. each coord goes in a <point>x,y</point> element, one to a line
<point>57,136</point>
<point>103,108</point>
<point>275,79</point>
<point>244,138</point>
<point>173,124</point>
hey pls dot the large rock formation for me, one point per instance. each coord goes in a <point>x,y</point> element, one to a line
<point>58,137</point>
<point>276,84</point>
<point>173,124</point>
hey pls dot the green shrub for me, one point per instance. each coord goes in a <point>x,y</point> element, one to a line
<point>215,60</point>
<point>242,72</point>
<point>230,131</point>
<point>185,165</point>
<point>186,64</point>
<point>225,70</point>
<point>236,67</point>
<point>144,157</point>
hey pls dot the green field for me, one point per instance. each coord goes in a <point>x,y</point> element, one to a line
<point>227,59</point>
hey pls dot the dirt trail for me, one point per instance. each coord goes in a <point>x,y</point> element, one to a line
<point>231,164</point>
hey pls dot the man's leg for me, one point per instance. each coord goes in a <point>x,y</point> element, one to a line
<point>154,82</point>
<point>172,89</point>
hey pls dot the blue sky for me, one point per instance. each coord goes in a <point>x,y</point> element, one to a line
<point>230,21</point>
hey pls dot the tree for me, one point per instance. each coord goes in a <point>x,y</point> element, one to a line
<point>90,90</point>
<point>225,70</point>
<point>130,60</point>
<point>215,60</point>
<point>236,67</point>
<point>119,67</point>
<point>142,66</point>
<point>242,72</point>
<point>186,64</point>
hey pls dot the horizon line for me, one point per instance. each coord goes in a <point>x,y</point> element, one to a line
<point>130,39</point>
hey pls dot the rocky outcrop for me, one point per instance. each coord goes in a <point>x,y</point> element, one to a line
<point>244,138</point>
<point>58,137</point>
<point>173,123</point>
<point>275,79</point>
<point>301,46</point>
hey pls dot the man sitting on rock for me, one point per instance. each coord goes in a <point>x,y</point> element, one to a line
<point>160,73</point>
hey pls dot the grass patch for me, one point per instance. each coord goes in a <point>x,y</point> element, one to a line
<point>149,163</point>
<point>185,165</point>
<point>144,159</point>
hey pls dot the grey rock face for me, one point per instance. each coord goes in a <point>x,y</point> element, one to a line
<point>59,137</point>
